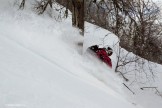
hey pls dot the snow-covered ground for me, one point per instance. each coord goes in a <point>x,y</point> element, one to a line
<point>42,65</point>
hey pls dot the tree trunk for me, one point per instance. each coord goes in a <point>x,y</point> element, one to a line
<point>78,14</point>
<point>22,4</point>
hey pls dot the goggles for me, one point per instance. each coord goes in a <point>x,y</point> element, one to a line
<point>109,52</point>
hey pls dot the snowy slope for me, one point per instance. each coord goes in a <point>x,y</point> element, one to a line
<point>31,81</point>
<point>42,66</point>
<point>34,71</point>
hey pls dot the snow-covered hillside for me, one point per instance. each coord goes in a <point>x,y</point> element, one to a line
<point>43,66</point>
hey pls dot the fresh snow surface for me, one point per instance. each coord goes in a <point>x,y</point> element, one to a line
<point>38,70</point>
<point>43,65</point>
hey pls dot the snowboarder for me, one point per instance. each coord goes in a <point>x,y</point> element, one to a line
<point>103,54</point>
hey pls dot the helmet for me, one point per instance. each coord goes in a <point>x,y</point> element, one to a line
<point>109,51</point>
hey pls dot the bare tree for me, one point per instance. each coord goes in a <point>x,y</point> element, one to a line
<point>41,6</point>
<point>129,64</point>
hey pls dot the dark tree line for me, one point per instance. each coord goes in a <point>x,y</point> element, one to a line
<point>75,6</point>
<point>136,22</point>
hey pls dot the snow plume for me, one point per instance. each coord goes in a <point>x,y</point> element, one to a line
<point>42,65</point>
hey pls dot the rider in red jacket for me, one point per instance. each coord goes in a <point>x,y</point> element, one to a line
<point>103,54</point>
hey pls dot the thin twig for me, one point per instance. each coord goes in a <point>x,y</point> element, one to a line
<point>128,88</point>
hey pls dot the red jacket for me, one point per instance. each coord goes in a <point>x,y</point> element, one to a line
<point>101,53</point>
